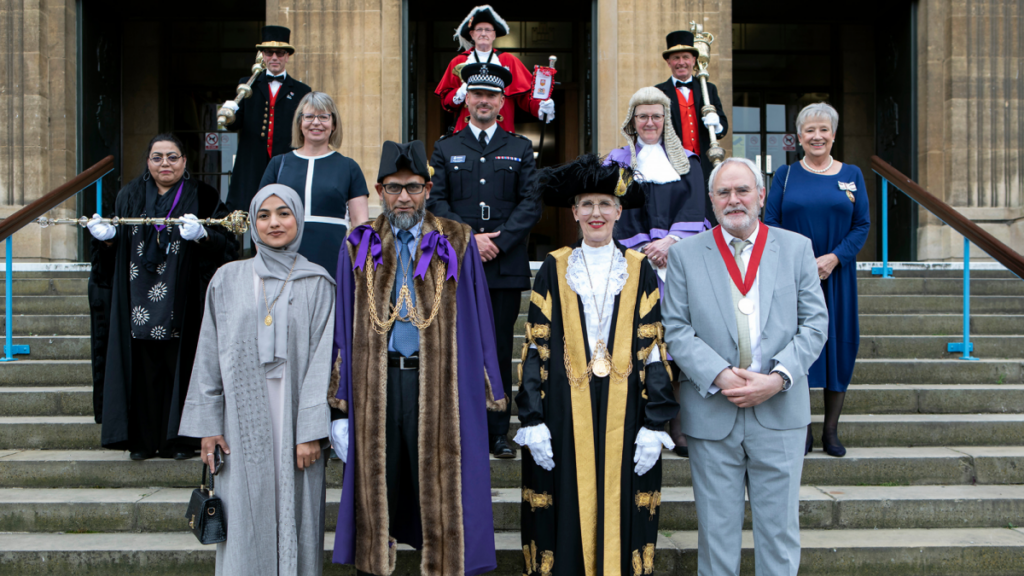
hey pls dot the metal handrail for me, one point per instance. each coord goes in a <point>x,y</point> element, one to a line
<point>955,220</point>
<point>28,214</point>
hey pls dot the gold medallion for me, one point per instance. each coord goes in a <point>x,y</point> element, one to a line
<point>268,320</point>
<point>602,367</point>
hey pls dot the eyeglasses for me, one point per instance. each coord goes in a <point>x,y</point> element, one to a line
<point>483,30</point>
<point>278,53</point>
<point>159,158</point>
<point>323,118</point>
<point>643,118</point>
<point>413,188</point>
<point>586,208</point>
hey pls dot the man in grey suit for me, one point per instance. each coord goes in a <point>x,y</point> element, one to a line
<point>744,320</point>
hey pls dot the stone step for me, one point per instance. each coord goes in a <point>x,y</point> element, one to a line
<point>48,324</point>
<point>940,286</point>
<point>821,507</point>
<point>932,552</point>
<point>935,347</point>
<point>49,432</point>
<point>937,274</point>
<point>56,347</point>
<point>46,401</point>
<point>949,371</point>
<point>27,372</point>
<point>47,305</point>
<point>939,324</point>
<point>47,287</point>
<point>861,466</point>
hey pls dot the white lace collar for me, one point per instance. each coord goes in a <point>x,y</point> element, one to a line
<point>653,164</point>
<point>601,261</point>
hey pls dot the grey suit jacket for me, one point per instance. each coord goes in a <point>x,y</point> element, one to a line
<point>700,329</point>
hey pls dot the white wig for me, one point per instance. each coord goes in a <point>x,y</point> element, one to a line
<point>673,147</point>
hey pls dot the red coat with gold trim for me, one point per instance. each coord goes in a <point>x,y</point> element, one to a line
<point>520,93</point>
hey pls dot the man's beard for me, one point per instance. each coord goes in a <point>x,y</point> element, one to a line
<point>751,218</point>
<point>405,220</point>
<point>483,117</point>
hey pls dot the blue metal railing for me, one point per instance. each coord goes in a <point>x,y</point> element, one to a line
<point>10,349</point>
<point>993,247</point>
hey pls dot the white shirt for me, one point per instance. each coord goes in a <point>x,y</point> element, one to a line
<point>754,319</point>
<point>483,56</point>
<point>686,91</point>
<point>490,131</point>
<point>275,85</point>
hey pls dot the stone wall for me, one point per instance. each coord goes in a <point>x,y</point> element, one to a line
<point>38,100</point>
<point>970,126</point>
<point>630,36</point>
<point>352,51</point>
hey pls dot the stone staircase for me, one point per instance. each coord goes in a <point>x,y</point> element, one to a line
<point>933,483</point>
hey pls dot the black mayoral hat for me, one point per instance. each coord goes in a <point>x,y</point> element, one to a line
<point>560,185</point>
<point>679,41</point>
<point>481,14</point>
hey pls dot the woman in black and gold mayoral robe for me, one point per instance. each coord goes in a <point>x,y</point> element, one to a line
<point>595,394</point>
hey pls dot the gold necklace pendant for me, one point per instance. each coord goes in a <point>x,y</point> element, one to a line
<point>268,320</point>
<point>602,367</point>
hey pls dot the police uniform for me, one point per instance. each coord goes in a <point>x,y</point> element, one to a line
<point>264,124</point>
<point>492,188</point>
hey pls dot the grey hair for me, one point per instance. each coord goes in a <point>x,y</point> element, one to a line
<point>673,146</point>
<point>758,177</point>
<point>817,110</point>
<point>320,102</point>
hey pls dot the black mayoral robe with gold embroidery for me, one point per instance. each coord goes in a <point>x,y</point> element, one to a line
<point>592,515</point>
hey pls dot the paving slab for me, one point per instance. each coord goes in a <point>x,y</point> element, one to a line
<point>46,401</point>
<point>28,372</point>
<point>996,464</point>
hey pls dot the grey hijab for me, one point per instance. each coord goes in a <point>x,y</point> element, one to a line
<point>272,266</point>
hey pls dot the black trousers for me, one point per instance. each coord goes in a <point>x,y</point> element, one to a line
<point>154,363</point>
<point>401,458</point>
<point>505,306</point>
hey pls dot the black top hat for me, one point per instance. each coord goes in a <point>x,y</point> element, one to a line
<point>395,157</point>
<point>560,185</point>
<point>482,14</point>
<point>679,41</point>
<point>276,37</point>
<point>484,76</point>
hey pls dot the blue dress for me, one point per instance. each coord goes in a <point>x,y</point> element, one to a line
<point>325,184</point>
<point>815,206</point>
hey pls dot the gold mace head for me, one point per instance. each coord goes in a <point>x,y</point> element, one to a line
<point>237,222</point>
<point>702,42</point>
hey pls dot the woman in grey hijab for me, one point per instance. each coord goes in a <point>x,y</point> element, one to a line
<point>259,391</point>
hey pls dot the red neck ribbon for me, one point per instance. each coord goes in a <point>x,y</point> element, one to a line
<point>742,284</point>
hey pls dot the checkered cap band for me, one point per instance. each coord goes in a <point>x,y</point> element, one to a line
<point>485,82</point>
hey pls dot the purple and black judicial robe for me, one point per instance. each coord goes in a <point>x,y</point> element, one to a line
<point>459,382</point>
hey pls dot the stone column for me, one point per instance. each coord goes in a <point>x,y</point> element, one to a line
<point>352,52</point>
<point>969,120</point>
<point>38,63</point>
<point>630,36</point>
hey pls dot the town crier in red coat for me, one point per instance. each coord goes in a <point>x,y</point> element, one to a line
<point>477,34</point>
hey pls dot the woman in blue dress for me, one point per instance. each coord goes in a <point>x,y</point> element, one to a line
<point>331,186</point>
<point>825,200</point>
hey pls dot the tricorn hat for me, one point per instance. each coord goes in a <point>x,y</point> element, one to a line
<point>411,156</point>
<point>477,15</point>
<point>679,41</point>
<point>484,76</point>
<point>276,37</point>
<point>560,185</point>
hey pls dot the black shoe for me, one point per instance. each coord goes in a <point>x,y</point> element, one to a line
<point>810,442</point>
<point>141,455</point>
<point>830,442</point>
<point>501,449</point>
<point>184,454</point>
<point>682,451</point>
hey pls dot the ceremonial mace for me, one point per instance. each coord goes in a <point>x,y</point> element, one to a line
<point>702,42</point>
<point>226,116</point>
<point>237,222</point>
<point>544,84</point>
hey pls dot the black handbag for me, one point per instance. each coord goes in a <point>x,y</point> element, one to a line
<point>205,514</point>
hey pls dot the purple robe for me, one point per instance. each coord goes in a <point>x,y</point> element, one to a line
<point>476,349</point>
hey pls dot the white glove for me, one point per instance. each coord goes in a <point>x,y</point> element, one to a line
<point>339,438</point>
<point>713,120</point>
<point>648,449</point>
<point>191,229</point>
<point>538,439</point>
<point>230,105</point>
<point>100,230</point>
<point>547,110</point>
<point>460,95</point>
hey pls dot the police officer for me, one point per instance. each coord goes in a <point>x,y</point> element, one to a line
<point>485,177</point>
<point>264,120</point>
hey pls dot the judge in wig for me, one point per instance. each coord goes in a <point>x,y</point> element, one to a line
<point>417,368</point>
<point>596,391</point>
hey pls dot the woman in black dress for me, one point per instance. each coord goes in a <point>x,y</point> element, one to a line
<point>158,277</point>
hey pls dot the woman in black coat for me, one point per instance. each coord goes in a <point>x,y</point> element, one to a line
<point>158,286</point>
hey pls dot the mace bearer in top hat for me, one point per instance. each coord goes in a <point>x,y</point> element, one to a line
<point>476,34</point>
<point>275,96</point>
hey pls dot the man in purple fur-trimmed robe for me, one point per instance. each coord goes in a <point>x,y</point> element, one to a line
<point>415,372</point>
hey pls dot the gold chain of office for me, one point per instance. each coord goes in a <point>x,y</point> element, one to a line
<point>404,297</point>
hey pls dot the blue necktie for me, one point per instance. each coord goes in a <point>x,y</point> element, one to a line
<point>406,336</point>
